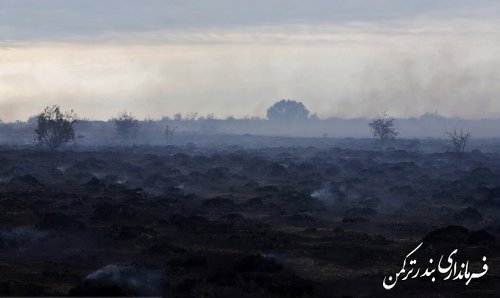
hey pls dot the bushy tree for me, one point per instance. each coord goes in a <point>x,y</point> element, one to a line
<point>178,117</point>
<point>384,128</point>
<point>126,125</point>
<point>458,140</point>
<point>55,128</point>
<point>287,110</point>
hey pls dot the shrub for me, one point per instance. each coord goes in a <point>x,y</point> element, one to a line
<point>384,128</point>
<point>458,140</point>
<point>55,128</point>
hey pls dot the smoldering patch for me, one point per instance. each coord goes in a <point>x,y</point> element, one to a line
<point>113,280</point>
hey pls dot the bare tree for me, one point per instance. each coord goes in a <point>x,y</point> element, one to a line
<point>127,125</point>
<point>458,140</point>
<point>191,116</point>
<point>169,132</point>
<point>384,128</point>
<point>55,128</point>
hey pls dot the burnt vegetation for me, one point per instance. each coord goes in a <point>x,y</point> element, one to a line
<point>191,221</point>
<point>205,215</point>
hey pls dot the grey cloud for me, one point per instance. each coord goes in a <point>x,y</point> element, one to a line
<point>52,19</point>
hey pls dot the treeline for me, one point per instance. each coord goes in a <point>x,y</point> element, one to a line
<point>284,118</point>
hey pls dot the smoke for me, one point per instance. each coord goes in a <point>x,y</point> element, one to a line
<point>346,70</point>
<point>324,194</point>
<point>121,280</point>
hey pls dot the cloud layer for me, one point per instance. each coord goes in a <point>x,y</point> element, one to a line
<point>34,19</point>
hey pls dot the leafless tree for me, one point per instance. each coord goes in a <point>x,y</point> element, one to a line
<point>191,116</point>
<point>55,128</point>
<point>458,140</point>
<point>169,132</point>
<point>384,128</point>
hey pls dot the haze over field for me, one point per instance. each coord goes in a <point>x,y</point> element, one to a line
<point>249,148</point>
<point>341,58</point>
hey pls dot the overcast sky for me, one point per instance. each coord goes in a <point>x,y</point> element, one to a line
<point>350,58</point>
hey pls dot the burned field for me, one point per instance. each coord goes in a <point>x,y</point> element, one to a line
<point>238,222</point>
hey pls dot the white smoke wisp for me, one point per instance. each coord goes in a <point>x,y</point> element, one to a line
<point>324,194</point>
<point>127,279</point>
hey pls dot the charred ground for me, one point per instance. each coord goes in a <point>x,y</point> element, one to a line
<point>188,221</point>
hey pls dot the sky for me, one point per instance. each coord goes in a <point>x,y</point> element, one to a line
<point>341,58</point>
